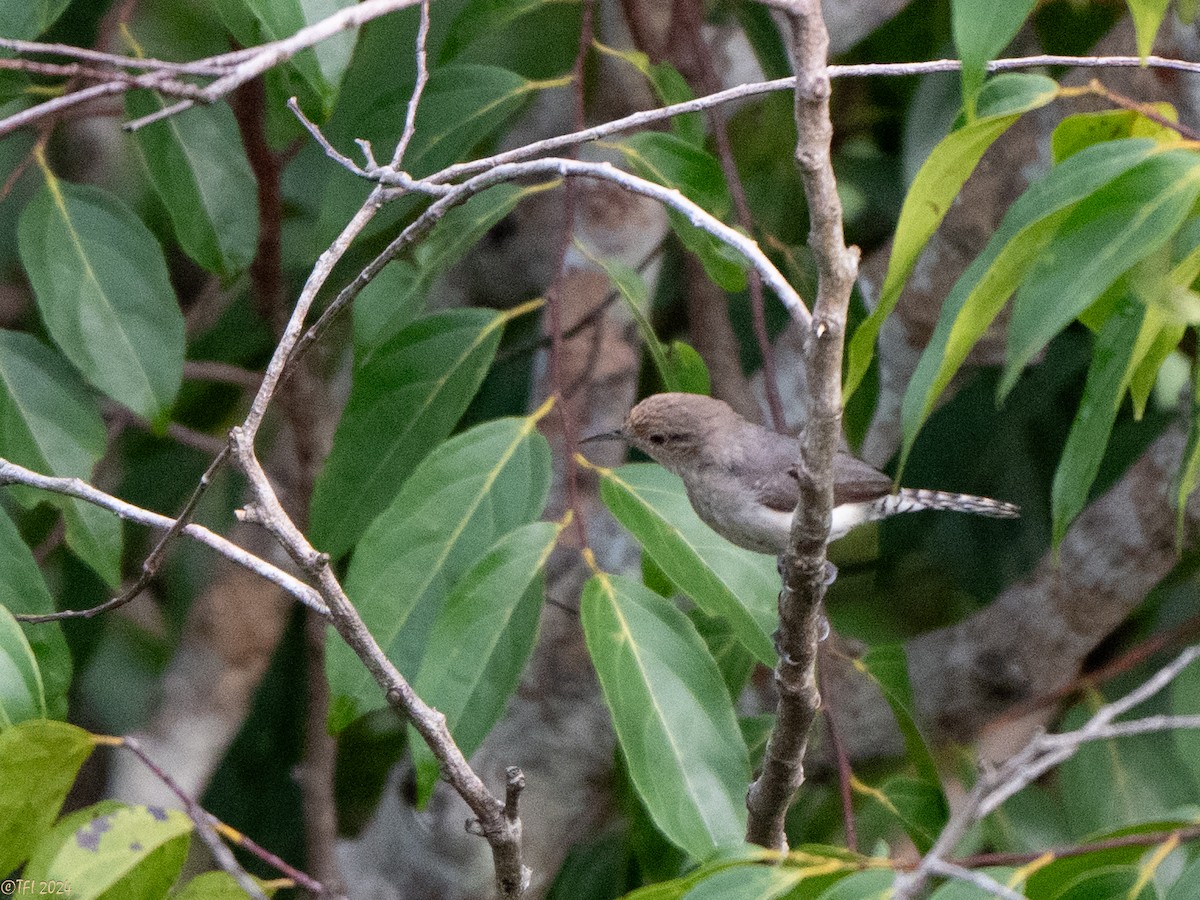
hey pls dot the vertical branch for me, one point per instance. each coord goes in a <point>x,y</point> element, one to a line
<point>554,294</point>
<point>804,563</point>
<point>299,397</point>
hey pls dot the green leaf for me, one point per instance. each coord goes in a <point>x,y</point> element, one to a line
<point>747,883</point>
<point>39,760</point>
<point>732,658</point>
<point>669,86</point>
<point>1123,781</point>
<point>1058,877</point>
<point>887,666</point>
<point>217,886</point>
<point>735,585</point>
<point>1147,17</point>
<point>917,804</point>
<point>48,423</point>
<point>404,401</point>
<point>398,293</point>
<point>933,190</point>
<point>23,590</point>
<point>982,29</point>
<point>101,286</point>
<point>320,68</point>
<point>136,852</point>
<point>673,162</point>
<point>26,20</point>
<point>461,107</point>
<point>1104,236</point>
<point>197,166</point>
<point>1187,885</point>
<point>461,498</point>
<point>981,292</point>
<point>1083,130</point>
<point>690,372</point>
<point>1189,466</point>
<point>21,694</point>
<point>873,884</point>
<point>481,642</point>
<point>672,714</point>
<point>632,288</point>
<point>1124,341</point>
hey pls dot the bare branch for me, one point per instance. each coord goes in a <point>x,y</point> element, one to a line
<point>11,473</point>
<point>804,564</point>
<point>259,59</point>
<point>1040,755</point>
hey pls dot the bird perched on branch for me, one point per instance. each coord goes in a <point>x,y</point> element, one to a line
<point>743,479</point>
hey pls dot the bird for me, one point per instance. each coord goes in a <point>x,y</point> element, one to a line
<point>743,479</point>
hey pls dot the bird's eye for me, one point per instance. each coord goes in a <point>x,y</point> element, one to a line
<point>657,438</point>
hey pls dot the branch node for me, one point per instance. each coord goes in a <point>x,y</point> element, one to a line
<point>515,784</point>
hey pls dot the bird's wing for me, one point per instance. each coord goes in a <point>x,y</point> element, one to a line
<point>855,482</point>
<point>777,486</point>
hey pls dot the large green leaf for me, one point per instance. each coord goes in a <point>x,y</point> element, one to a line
<point>1104,236</point>
<point>1147,17</point>
<point>203,178</point>
<point>102,288</point>
<point>481,642</point>
<point>1003,100</point>
<point>21,694</point>
<point>320,68</point>
<point>672,714</point>
<point>747,883</point>
<point>39,760</point>
<point>48,423</point>
<point>736,585</point>
<point>462,106</point>
<point>461,498</point>
<point>1123,781</point>
<point>1124,341</point>
<point>23,590</point>
<point>887,666</point>
<point>26,19</point>
<point>405,400</point>
<point>677,163</point>
<point>981,292</point>
<point>136,852</point>
<point>398,293</point>
<point>982,29</point>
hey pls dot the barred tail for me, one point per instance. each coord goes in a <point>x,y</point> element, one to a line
<point>913,499</point>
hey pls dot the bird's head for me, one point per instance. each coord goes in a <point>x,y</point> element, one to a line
<point>674,429</point>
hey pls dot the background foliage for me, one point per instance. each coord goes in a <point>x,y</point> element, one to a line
<point>432,500</point>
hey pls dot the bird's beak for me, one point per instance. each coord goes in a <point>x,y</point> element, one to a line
<point>604,436</point>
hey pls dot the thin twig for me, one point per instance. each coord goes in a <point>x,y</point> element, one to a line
<point>212,66</point>
<point>202,820</point>
<point>410,114</point>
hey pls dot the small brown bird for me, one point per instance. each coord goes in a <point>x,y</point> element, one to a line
<point>742,479</point>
